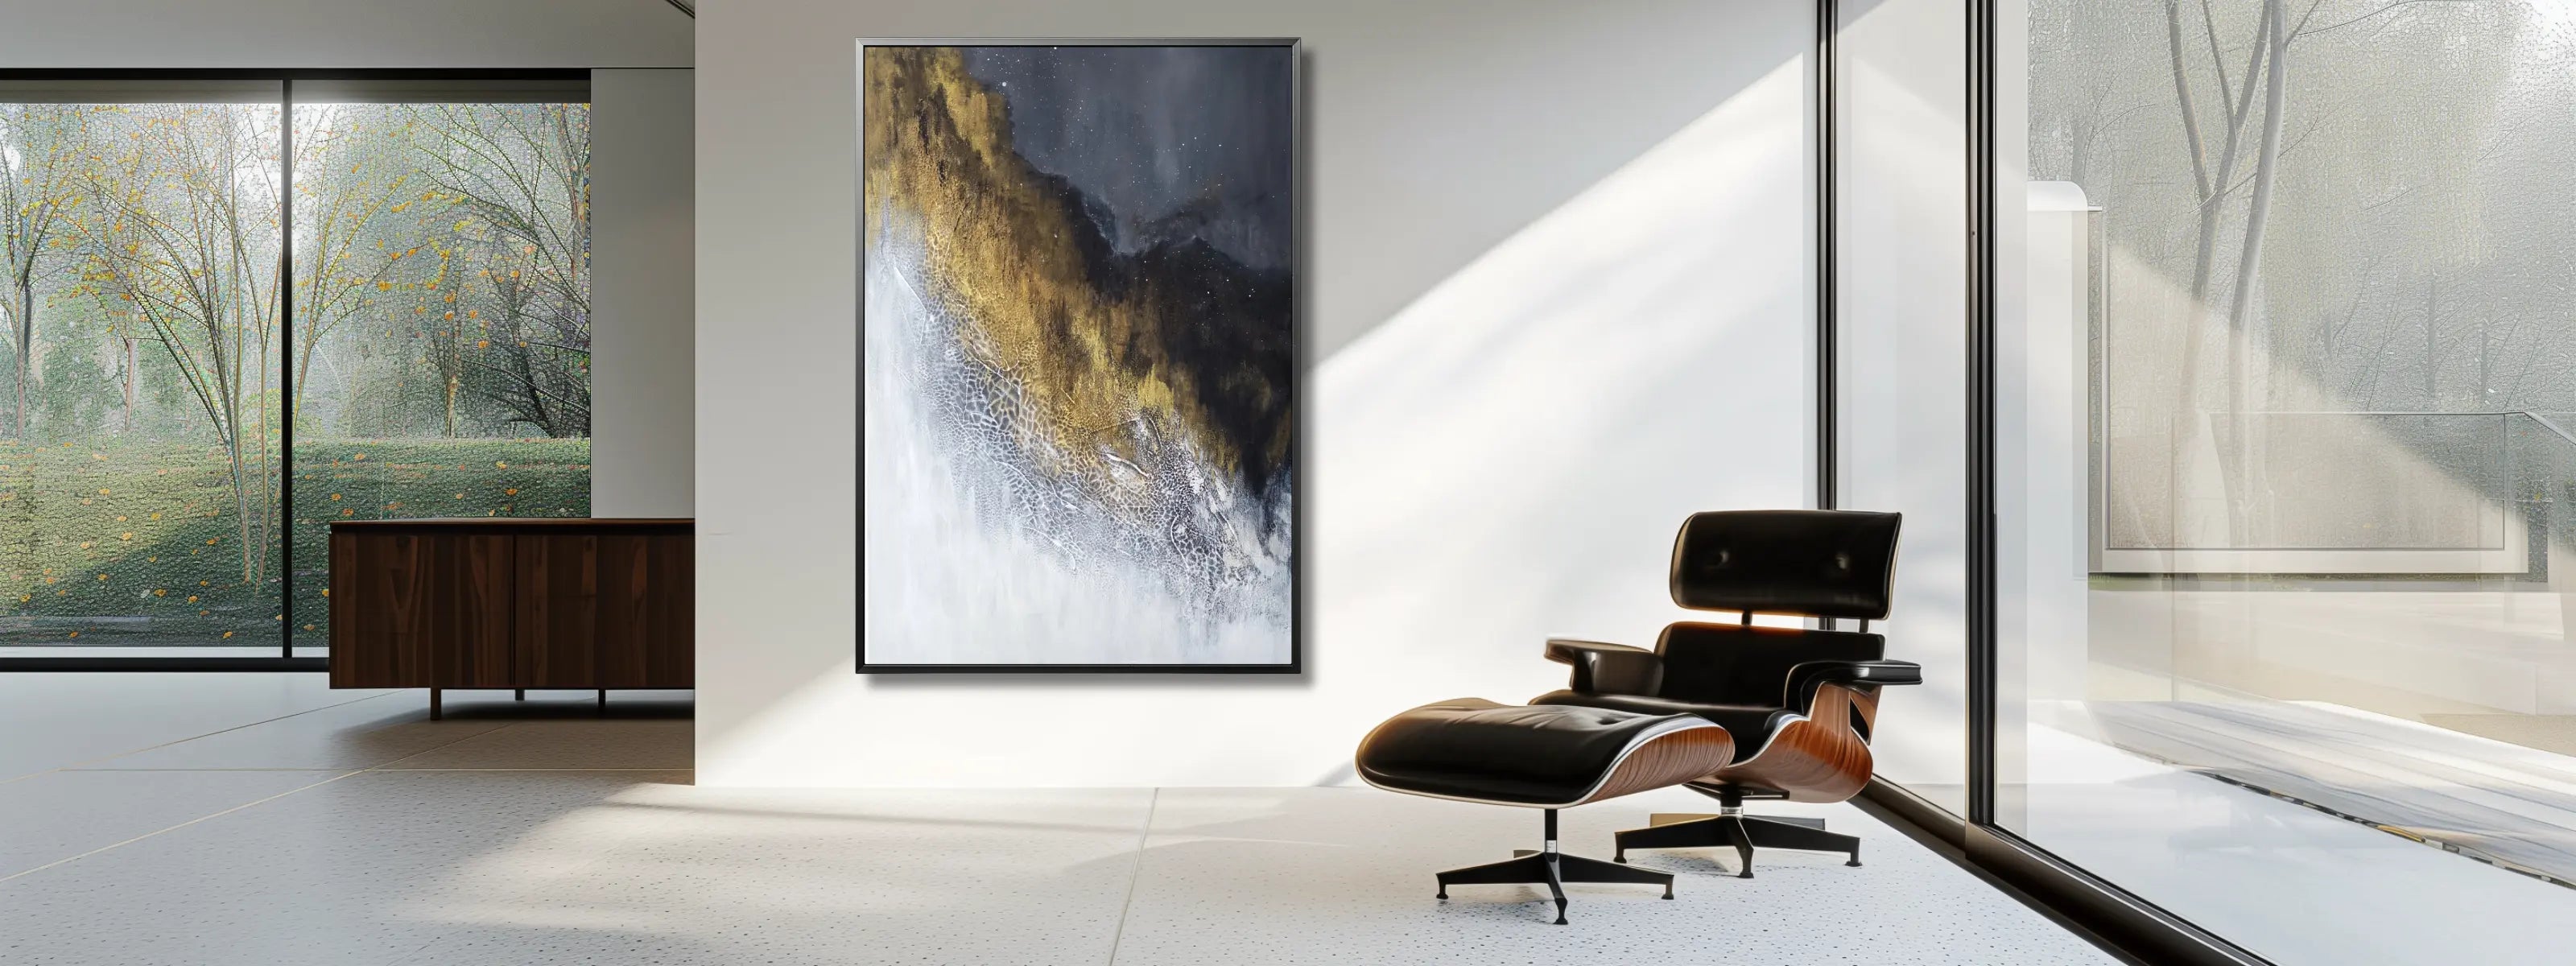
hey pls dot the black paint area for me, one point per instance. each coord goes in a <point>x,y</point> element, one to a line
<point>1170,142</point>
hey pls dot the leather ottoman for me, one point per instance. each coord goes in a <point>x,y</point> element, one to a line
<point>1545,757</point>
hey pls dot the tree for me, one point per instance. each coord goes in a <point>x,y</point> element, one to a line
<point>521,173</point>
<point>40,152</point>
<point>2314,185</point>
<point>180,233</point>
<point>350,226</point>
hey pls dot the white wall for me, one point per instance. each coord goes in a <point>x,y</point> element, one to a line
<point>1557,298</point>
<point>272,34</point>
<point>643,286</point>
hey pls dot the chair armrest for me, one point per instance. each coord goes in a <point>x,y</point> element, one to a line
<point>1608,668</point>
<point>1806,677</point>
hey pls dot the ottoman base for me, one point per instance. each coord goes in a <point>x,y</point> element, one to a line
<point>1552,868</point>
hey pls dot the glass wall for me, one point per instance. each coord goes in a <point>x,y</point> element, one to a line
<point>438,352</point>
<point>443,319</point>
<point>140,422</point>
<point>1901,354</point>
<point>2285,631</point>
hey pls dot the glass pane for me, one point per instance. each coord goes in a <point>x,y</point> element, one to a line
<point>2283,511</point>
<point>442,319</point>
<point>139,412</point>
<point>1902,349</point>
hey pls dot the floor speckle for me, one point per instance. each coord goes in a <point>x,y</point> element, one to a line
<point>289,829</point>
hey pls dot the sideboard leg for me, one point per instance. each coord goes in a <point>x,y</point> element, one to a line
<point>603,702</point>
<point>433,704</point>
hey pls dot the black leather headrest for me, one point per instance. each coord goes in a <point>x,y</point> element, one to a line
<point>1819,563</point>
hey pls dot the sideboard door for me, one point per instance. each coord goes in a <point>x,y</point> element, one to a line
<point>647,612</point>
<point>381,600</point>
<point>475,591</point>
<point>558,626</point>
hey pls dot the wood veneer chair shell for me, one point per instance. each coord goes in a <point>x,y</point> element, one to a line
<point>1820,758</point>
<point>1670,758</point>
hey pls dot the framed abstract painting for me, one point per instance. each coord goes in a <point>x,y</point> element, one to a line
<point>1079,330</point>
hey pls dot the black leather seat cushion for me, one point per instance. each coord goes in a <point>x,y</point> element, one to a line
<point>1475,749</point>
<point>1749,724</point>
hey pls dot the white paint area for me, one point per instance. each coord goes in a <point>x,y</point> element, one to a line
<point>643,445</point>
<point>1506,458</point>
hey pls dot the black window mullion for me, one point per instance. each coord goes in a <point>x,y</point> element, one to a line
<point>286,368</point>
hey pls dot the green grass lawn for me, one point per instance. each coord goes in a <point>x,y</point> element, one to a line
<point>118,542</point>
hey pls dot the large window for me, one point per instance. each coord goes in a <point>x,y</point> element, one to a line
<point>2285,553</point>
<point>187,401</point>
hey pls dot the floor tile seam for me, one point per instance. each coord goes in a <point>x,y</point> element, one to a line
<point>242,768</point>
<point>77,766</point>
<point>389,765</point>
<point>173,828</point>
<point>1135,872</point>
<point>389,768</point>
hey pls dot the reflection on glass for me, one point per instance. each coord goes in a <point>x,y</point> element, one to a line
<point>2284,517</point>
<point>139,409</point>
<point>442,319</point>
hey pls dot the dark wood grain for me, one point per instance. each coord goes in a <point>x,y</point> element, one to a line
<point>471,595</point>
<point>558,611</point>
<point>513,604</point>
<point>511,524</point>
<point>380,615</point>
<point>671,655</point>
<point>644,620</point>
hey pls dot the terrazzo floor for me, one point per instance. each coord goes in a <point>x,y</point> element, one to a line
<point>261,819</point>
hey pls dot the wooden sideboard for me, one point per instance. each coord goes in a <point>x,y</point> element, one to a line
<point>589,604</point>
